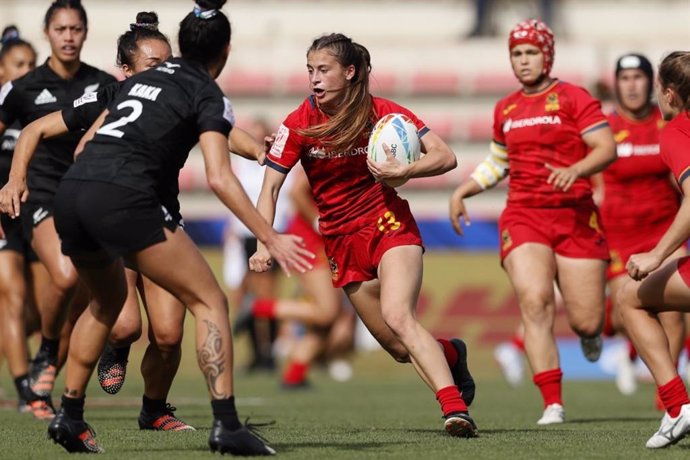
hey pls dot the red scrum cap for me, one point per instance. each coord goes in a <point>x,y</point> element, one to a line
<point>535,32</point>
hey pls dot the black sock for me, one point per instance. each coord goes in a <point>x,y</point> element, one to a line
<point>23,387</point>
<point>224,410</point>
<point>121,353</point>
<point>74,407</point>
<point>49,349</point>
<point>152,406</point>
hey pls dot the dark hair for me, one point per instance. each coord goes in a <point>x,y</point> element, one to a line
<point>205,32</point>
<point>674,73</point>
<point>342,131</point>
<point>145,28</point>
<point>11,39</point>
<point>640,62</point>
<point>66,5</point>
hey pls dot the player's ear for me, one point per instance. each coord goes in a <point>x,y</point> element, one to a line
<point>127,70</point>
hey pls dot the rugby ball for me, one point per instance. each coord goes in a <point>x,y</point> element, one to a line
<point>399,133</point>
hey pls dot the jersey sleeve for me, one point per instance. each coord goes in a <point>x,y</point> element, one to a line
<point>10,103</point>
<point>214,112</point>
<point>587,112</point>
<point>675,152</point>
<point>498,138</point>
<point>85,110</point>
<point>287,147</point>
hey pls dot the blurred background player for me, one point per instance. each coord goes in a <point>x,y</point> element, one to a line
<point>550,136</point>
<point>639,199</point>
<point>371,239</point>
<point>50,87</point>
<point>246,286</point>
<point>665,284</point>
<point>327,323</point>
<point>17,260</point>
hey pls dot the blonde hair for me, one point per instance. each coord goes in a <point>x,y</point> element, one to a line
<point>343,130</point>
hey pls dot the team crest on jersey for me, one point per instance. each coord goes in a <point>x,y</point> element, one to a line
<point>509,109</point>
<point>552,103</point>
<point>659,124</point>
<point>334,269</point>
<point>620,136</point>
<point>85,99</point>
<point>506,240</point>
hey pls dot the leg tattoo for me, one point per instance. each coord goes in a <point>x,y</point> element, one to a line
<point>212,360</point>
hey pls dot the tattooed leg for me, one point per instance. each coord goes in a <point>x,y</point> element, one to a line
<point>212,361</point>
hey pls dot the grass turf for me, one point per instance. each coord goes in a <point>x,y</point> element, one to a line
<point>383,412</point>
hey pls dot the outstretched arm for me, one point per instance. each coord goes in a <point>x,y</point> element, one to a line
<point>288,250</point>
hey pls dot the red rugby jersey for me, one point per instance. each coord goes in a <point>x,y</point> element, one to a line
<point>545,127</point>
<point>346,194</point>
<point>637,186</point>
<point>675,146</point>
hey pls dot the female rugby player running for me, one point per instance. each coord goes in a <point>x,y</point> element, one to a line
<point>371,239</point>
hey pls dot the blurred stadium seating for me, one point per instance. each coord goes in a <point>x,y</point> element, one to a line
<point>420,59</point>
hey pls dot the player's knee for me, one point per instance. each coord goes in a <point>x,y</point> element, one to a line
<point>65,279</point>
<point>536,311</point>
<point>401,323</point>
<point>169,340</point>
<point>126,331</point>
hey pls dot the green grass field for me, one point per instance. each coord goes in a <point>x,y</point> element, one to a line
<point>383,412</point>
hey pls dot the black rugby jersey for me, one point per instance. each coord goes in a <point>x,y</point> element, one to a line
<point>7,142</point>
<point>39,93</point>
<point>86,110</point>
<point>152,124</point>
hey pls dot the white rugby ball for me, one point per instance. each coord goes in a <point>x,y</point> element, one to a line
<point>399,133</point>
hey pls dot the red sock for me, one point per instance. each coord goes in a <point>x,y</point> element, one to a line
<point>632,353</point>
<point>549,383</point>
<point>608,331</point>
<point>519,342</point>
<point>449,352</point>
<point>264,308</point>
<point>295,373</point>
<point>674,395</point>
<point>450,400</point>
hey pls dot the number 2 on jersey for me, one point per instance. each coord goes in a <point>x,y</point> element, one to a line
<point>110,128</point>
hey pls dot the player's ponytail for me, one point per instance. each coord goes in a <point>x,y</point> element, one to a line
<point>674,73</point>
<point>344,129</point>
<point>205,32</point>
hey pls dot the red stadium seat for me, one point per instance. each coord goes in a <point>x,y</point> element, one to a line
<point>296,83</point>
<point>479,129</point>
<point>436,83</point>
<point>383,83</point>
<point>499,83</point>
<point>241,82</point>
